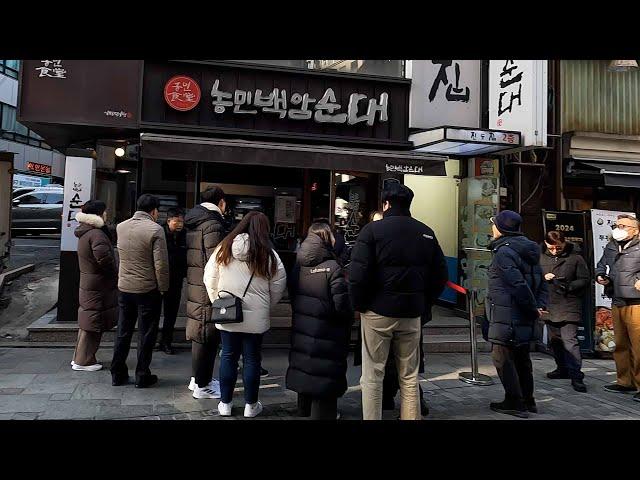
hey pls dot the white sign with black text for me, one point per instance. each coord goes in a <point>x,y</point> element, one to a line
<point>444,92</point>
<point>78,186</point>
<point>518,98</point>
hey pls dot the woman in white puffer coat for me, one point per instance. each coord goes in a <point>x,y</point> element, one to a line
<point>245,259</point>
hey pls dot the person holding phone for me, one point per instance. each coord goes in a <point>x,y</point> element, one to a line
<point>567,276</point>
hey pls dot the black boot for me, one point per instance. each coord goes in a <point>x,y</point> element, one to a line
<point>531,405</point>
<point>578,385</point>
<point>558,374</point>
<point>516,408</point>
<point>146,381</point>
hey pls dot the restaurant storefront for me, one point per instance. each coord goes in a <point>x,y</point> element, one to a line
<point>295,144</point>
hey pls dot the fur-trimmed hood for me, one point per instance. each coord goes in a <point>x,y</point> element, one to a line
<point>87,221</point>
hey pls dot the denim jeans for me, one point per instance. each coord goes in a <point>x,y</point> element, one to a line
<point>249,346</point>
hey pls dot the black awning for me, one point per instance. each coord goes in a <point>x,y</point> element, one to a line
<point>617,174</point>
<point>170,147</point>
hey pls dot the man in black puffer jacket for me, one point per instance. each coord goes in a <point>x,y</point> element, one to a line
<point>205,230</point>
<point>397,270</point>
<point>321,328</point>
<point>517,295</point>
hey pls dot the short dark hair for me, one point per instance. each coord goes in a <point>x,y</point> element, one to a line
<point>212,194</point>
<point>147,203</point>
<point>554,237</point>
<point>94,207</point>
<point>397,195</point>
<point>175,212</point>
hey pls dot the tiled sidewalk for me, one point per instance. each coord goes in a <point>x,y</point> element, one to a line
<point>37,383</point>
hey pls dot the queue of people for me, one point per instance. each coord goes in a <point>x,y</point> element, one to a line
<point>396,272</point>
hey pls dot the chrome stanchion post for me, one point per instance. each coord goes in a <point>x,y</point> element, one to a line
<point>473,377</point>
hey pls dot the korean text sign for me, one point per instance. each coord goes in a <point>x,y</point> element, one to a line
<point>263,102</point>
<point>78,185</point>
<point>518,98</point>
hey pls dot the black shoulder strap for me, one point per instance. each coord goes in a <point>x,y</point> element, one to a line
<point>246,289</point>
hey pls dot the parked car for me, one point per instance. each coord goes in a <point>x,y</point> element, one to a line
<point>39,211</point>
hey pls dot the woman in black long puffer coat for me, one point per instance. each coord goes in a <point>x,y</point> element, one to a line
<point>322,320</point>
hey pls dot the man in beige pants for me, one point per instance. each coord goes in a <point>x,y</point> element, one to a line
<point>397,271</point>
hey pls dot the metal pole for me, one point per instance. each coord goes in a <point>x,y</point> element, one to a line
<point>473,377</point>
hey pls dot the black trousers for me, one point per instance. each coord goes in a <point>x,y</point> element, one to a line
<point>143,308</point>
<point>317,408</point>
<point>563,340</point>
<point>515,370</point>
<point>203,358</point>
<point>171,303</point>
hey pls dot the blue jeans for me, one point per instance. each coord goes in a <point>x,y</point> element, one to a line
<point>233,345</point>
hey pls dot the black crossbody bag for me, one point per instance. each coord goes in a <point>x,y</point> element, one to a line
<point>228,309</point>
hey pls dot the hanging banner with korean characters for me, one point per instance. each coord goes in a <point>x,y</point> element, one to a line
<point>78,187</point>
<point>601,222</point>
<point>518,98</point>
<point>444,92</point>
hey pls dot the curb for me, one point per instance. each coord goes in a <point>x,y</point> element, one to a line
<point>15,273</point>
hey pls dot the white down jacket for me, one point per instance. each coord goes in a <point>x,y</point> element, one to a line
<point>261,295</point>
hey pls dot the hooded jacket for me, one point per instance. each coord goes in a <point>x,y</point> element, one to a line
<point>623,262</point>
<point>567,289</point>
<point>397,267</point>
<point>516,290</point>
<point>261,295</point>
<point>177,250</point>
<point>98,292</point>
<point>205,230</point>
<point>144,261</point>
<point>322,319</point>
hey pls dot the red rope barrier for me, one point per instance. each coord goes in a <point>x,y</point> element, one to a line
<point>457,288</point>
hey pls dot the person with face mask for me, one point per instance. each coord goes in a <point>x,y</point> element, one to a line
<point>619,272</point>
<point>517,296</point>
<point>98,293</point>
<point>177,247</point>
<point>142,280</point>
<point>567,276</point>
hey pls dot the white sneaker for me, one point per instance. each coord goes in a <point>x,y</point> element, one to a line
<point>87,368</point>
<point>254,410</point>
<point>205,392</point>
<point>72,363</point>
<point>213,385</point>
<point>224,409</point>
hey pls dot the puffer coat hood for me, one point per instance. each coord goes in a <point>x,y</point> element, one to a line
<point>313,251</point>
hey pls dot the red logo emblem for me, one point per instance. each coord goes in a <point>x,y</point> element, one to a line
<point>182,93</point>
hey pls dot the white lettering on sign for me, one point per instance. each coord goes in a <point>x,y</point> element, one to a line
<point>51,69</point>
<point>306,107</point>
<point>415,169</point>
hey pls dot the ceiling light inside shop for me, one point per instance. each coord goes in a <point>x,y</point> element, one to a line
<point>119,152</point>
<point>123,171</point>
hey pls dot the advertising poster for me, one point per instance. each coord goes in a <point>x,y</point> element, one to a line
<point>601,221</point>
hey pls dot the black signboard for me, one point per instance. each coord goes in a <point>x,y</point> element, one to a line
<point>272,102</point>
<point>574,227</point>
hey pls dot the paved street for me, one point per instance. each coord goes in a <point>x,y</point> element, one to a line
<point>38,383</point>
<point>32,294</point>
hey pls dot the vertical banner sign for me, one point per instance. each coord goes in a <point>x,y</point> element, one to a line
<point>78,185</point>
<point>601,221</point>
<point>518,99</point>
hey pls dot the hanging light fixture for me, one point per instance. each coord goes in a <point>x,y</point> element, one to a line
<point>622,65</point>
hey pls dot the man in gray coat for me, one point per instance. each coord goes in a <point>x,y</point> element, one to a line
<point>142,280</point>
